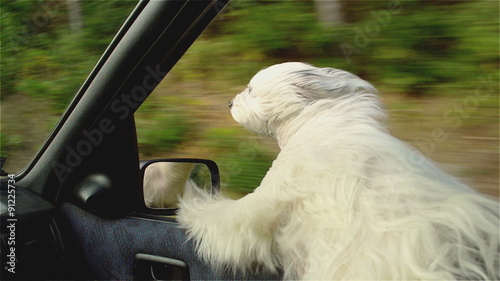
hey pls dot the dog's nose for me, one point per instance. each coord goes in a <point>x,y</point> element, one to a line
<point>231,104</point>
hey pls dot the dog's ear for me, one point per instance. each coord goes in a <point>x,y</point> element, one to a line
<point>328,83</point>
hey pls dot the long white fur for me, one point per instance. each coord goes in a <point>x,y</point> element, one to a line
<point>344,200</point>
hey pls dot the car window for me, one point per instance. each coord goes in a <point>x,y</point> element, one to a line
<point>48,49</point>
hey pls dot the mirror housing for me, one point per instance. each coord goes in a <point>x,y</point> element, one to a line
<point>164,180</point>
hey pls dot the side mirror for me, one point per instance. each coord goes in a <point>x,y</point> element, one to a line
<point>165,180</point>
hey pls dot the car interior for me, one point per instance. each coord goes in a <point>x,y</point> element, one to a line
<point>77,211</point>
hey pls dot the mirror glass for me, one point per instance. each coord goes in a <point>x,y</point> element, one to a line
<point>165,182</point>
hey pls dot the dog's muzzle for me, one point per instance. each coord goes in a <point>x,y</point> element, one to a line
<point>231,104</point>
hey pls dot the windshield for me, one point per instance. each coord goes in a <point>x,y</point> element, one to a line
<point>47,50</point>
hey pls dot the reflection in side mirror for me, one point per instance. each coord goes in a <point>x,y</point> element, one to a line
<point>165,180</point>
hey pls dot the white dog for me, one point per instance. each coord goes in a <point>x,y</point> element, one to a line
<point>344,200</point>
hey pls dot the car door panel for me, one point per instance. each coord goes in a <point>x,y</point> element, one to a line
<point>109,246</point>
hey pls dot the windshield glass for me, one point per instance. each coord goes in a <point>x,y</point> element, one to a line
<point>47,50</point>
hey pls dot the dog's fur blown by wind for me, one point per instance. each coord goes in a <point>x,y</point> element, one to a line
<point>344,200</point>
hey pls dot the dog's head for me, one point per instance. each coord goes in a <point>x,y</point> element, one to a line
<point>279,93</point>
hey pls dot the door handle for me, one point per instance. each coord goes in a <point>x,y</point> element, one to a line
<point>151,267</point>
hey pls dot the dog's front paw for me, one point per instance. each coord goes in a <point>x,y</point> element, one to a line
<point>227,234</point>
<point>199,210</point>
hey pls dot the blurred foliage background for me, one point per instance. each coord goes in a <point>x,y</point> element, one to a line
<point>435,63</point>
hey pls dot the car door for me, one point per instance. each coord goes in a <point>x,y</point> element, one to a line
<point>77,211</point>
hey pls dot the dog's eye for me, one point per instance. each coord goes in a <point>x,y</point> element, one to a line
<point>249,89</point>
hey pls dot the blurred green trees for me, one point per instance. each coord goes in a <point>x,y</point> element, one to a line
<point>43,57</point>
<point>414,44</point>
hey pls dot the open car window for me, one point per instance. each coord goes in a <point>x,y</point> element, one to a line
<point>48,49</point>
<point>187,115</point>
